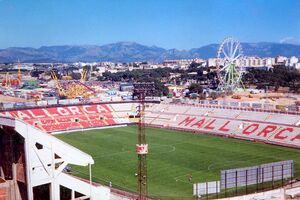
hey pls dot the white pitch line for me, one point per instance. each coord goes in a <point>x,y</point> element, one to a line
<point>184,181</point>
<point>170,151</point>
<point>177,177</point>
<point>208,168</point>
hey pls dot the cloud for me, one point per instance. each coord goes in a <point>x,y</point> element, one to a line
<point>289,40</point>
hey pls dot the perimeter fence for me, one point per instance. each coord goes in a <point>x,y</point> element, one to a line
<point>242,181</point>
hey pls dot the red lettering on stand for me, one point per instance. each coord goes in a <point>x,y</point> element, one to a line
<point>63,111</point>
<point>199,123</point>
<point>279,136</point>
<point>51,112</point>
<point>296,137</point>
<point>34,115</point>
<point>74,110</point>
<point>23,115</point>
<point>266,130</point>
<point>210,123</point>
<point>187,121</point>
<point>88,109</point>
<point>223,128</point>
<point>102,109</point>
<point>246,131</point>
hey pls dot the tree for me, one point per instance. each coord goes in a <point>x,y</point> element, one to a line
<point>160,89</point>
<point>279,76</point>
<point>196,88</point>
<point>194,66</point>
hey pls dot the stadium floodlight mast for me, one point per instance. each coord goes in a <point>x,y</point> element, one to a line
<point>230,65</point>
<point>141,90</point>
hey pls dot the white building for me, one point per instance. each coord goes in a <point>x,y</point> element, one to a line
<point>292,61</point>
<point>280,59</point>
<point>211,62</point>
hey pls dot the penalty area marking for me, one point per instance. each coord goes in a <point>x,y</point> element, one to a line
<point>177,178</point>
<point>173,148</point>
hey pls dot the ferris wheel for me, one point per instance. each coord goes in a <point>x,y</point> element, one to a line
<point>230,65</point>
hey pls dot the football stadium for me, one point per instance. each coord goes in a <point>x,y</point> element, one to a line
<point>195,151</point>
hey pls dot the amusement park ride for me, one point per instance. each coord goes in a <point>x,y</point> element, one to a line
<point>59,88</point>
<point>71,89</point>
<point>9,82</point>
<point>230,65</point>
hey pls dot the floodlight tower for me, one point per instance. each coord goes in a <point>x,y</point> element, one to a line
<point>141,90</point>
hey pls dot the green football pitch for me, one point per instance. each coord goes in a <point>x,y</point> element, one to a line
<point>173,158</point>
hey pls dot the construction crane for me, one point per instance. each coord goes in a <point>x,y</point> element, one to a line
<point>59,88</point>
<point>77,89</point>
<point>72,89</point>
<point>8,82</point>
<point>83,75</point>
<point>12,82</point>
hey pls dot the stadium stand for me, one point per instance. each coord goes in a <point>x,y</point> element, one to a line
<point>220,112</point>
<point>64,118</point>
<point>248,115</point>
<point>276,128</point>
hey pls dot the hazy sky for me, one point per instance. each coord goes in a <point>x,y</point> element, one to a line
<point>181,24</point>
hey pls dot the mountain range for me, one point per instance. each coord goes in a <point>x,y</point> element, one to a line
<point>131,51</point>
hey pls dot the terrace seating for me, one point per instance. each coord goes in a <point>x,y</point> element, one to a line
<point>61,126</point>
<point>85,124</point>
<point>121,107</point>
<point>224,113</point>
<point>276,128</point>
<point>282,118</point>
<point>256,116</point>
<point>64,118</point>
<point>123,110</point>
<point>47,121</point>
<point>197,111</point>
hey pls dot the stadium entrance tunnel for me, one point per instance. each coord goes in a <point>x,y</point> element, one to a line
<point>32,165</point>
